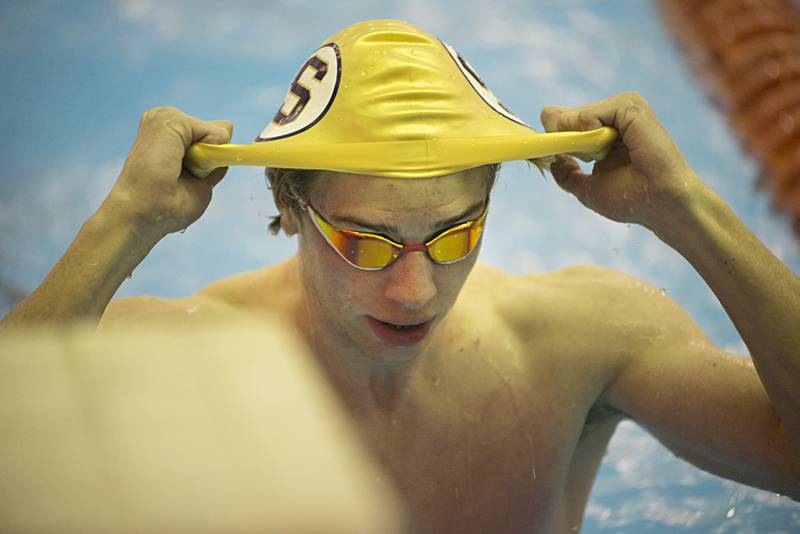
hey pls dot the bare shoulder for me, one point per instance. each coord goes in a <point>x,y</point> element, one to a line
<point>569,311</point>
<point>555,296</point>
<point>486,278</point>
<point>593,318</point>
<point>260,291</point>
<point>614,298</point>
<point>598,296</point>
<point>137,308</point>
<point>147,308</point>
<point>266,289</point>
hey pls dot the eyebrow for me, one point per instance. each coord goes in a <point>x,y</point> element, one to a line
<point>390,229</point>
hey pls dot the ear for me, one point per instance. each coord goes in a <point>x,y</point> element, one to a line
<point>289,223</point>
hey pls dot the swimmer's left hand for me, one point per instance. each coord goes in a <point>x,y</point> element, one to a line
<point>644,177</point>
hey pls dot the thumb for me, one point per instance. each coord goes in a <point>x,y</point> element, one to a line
<point>215,176</point>
<point>225,123</point>
<point>220,133</point>
<point>568,176</point>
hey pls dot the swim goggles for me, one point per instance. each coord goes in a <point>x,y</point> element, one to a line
<point>372,252</point>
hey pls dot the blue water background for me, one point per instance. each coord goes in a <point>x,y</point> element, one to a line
<point>76,76</point>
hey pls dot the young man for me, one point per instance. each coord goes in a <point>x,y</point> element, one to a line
<point>489,399</point>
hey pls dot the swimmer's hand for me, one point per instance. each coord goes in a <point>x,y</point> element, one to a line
<point>154,191</point>
<point>153,196</point>
<point>643,177</point>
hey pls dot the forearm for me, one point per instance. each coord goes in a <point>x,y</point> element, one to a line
<point>760,294</point>
<point>80,286</point>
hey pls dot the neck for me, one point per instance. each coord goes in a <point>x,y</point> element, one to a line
<point>369,388</point>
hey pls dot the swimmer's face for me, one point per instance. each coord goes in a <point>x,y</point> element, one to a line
<point>410,290</point>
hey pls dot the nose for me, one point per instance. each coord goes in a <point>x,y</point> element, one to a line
<point>410,281</point>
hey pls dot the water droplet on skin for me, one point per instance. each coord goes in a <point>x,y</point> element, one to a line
<point>787,123</point>
<point>470,416</point>
<point>772,68</point>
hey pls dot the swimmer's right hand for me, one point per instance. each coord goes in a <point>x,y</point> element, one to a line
<point>155,192</point>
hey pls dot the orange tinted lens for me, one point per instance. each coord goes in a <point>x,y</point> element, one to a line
<point>366,251</point>
<point>457,243</point>
<point>360,250</point>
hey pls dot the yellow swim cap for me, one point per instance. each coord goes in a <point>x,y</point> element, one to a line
<point>385,98</point>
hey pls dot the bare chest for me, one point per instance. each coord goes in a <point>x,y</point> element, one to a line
<point>487,448</point>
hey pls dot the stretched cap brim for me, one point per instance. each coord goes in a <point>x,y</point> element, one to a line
<point>402,159</point>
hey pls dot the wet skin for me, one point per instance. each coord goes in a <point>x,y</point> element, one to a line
<point>497,421</point>
<point>501,426</point>
<point>494,421</point>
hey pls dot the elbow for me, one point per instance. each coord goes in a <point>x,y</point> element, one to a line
<point>789,446</point>
<point>793,489</point>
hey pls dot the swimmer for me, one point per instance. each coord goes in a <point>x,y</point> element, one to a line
<point>488,398</point>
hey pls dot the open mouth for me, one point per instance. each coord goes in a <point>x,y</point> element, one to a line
<point>402,326</point>
<point>397,334</point>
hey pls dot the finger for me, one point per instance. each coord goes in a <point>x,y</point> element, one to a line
<point>201,187</point>
<point>209,180</point>
<point>562,119</point>
<point>215,132</point>
<point>220,136</point>
<point>569,176</point>
<point>170,121</point>
<point>215,176</point>
<point>619,111</point>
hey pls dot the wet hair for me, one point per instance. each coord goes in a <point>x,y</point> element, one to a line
<point>287,185</point>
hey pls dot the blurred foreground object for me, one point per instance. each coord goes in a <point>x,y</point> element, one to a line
<point>747,55</point>
<point>215,427</point>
